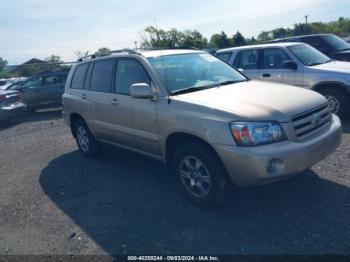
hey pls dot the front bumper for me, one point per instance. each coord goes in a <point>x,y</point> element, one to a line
<point>249,165</point>
<point>12,110</point>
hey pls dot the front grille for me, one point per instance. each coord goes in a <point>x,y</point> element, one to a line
<point>311,120</point>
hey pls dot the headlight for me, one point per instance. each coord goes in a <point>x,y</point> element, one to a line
<point>257,133</point>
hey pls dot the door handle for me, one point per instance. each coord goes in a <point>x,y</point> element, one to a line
<point>266,75</point>
<point>83,96</point>
<point>115,101</point>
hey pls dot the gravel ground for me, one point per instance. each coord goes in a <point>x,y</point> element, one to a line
<point>54,201</point>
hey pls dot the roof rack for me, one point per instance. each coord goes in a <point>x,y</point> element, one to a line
<point>168,48</point>
<point>131,51</point>
<point>95,55</point>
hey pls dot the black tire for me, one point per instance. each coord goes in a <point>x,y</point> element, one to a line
<point>87,143</point>
<point>213,168</point>
<point>338,100</point>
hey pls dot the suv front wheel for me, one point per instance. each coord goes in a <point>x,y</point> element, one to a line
<point>200,174</point>
<point>86,142</point>
<point>337,100</point>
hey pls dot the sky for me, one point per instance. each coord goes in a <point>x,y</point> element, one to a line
<point>39,28</point>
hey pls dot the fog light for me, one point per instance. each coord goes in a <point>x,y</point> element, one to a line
<point>275,166</point>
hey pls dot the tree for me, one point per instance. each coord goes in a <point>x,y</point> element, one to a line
<point>279,33</point>
<point>219,40</point>
<point>81,54</point>
<point>302,29</point>
<point>3,63</point>
<point>53,59</point>
<point>154,37</point>
<point>264,36</point>
<point>194,39</point>
<point>251,41</point>
<point>238,39</point>
<point>102,50</point>
<point>172,38</point>
<point>54,63</point>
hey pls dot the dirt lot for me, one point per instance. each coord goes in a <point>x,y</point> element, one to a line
<point>54,201</point>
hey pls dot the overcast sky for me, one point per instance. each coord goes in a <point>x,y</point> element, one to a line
<point>39,28</point>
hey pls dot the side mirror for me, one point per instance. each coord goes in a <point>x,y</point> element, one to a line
<point>241,70</point>
<point>141,91</point>
<point>290,64</point>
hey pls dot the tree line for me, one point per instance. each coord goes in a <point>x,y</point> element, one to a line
<point>173,38</point>
<point>154,37</point>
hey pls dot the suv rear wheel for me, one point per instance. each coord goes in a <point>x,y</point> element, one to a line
<point>200,174</point>
<point>86,142</point>
<point>337,100</point>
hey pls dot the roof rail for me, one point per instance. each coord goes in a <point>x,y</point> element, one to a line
<point>95,55</point>
<point>168,48</point>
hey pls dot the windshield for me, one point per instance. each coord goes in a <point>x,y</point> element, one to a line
<point>336,42</point>
<point>14,86</point>
<point>193,72</point>
<point>308,55</point>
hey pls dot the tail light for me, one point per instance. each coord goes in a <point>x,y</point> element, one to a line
<point>2,98</point>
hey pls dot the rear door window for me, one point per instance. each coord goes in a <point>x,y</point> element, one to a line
<point>79,76</point>
<point>102,75</point>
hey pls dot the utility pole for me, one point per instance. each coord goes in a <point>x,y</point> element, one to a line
<point>306,17</point>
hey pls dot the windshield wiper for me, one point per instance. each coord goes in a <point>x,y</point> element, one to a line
<point>313,64</point>
<point>193,88</point>
<point>185,90</point>
<point>229,82</point>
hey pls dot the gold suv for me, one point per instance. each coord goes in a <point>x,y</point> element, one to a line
<point>209,124</point>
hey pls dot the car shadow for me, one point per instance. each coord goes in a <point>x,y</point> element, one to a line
<point>40,115</point>
<point>127,205</point>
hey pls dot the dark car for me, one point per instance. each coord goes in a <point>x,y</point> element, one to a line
<point>329,44</point>
<point>10,105</point>
<point>41,91</point>
<point>6,83</point>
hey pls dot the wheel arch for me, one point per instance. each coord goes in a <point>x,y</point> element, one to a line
<point>326,84</point>
<point>73,118</point>
<point>175,140</point>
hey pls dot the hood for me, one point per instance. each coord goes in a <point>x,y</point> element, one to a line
<point>334,66</point>
<point>342,55</point>
<point>256,100</point>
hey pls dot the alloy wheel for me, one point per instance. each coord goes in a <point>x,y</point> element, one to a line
<point>195,176</point>
<point>83,138</point>
<point>333,103</point>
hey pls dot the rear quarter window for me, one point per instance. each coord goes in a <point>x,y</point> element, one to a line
<point>79,76</point>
